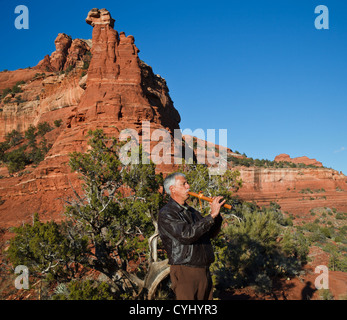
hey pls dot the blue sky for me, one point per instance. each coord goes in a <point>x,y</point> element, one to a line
<point>259,69</point>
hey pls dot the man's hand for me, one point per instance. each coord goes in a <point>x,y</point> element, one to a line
<point>215,206</point>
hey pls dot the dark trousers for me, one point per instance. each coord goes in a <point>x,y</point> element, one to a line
<point>191,283</point>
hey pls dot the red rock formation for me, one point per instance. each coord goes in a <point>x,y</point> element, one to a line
<point>297,190</point>
<point>305,160</point>
<point>68,53</point>
<point>76,55</point>
<point>9,78</point>
<point>119,91</point>
<point>62,45</point>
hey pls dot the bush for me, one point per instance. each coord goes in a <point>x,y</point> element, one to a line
<point>69,69</point>
<point>16,89</point>
<point>85,65</point>
<point>317,236</point>
<point>16,160</point>
<point>4,146</point>
<point>58,123</point>
<point>325,294</point>
<point>258,248</point>
<point>84,290</point>
<point>30,134</point>
<point>46,249</point>
<point>5,92</point>
<point>43,128</point>
<point>13,138</point>
<point>340,216</point>
<point>30,153</point>
<point>250,162</point>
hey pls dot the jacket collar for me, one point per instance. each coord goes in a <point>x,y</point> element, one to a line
<point>176,205</point>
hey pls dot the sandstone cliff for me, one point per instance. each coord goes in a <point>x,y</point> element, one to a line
<point>297,190</point>
<point>88,85</point>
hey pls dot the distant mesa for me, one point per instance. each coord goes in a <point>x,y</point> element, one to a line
<point>305,160</point>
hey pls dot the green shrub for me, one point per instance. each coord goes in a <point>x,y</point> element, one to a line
<point>328,232</point>
<point>46,249</point>
<point>253,254</point>
<point>250,162</point>
<point>85,65</point>
<point>340,216</point>
<point>58,123</point>
<point>325,294</point>
<point>317,236</point>
<point>4,146</point>
<point>84,290</point>
<point>5,92</point>
<point>16,89</point>
<point>30,153</point>
<point>30,134</point>
<point>13,138</point>
<point>69,69</point>
<point>103,231</point>
<point>16,160</point>
<point>43,128</point>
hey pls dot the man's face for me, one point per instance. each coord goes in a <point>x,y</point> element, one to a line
<point>179,191</point>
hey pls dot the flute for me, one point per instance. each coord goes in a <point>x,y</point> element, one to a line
<point>201,196</point>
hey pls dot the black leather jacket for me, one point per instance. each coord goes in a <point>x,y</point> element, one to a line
<point>186,234</point>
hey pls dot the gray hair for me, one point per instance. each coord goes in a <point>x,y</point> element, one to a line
<point>170,180</point>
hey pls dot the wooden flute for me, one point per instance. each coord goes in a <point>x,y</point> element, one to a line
<point>201,196</point>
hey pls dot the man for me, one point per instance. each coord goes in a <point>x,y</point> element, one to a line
<point>186,238</point>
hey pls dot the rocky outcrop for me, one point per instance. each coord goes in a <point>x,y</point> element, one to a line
<point>58,58</point>
<point>68,54</point>
<point>304,160</point>
<point>119,86</point>
<point>45,97</point>
<point>9,78</point>
<point>78,54</point>
<point>116,92</point>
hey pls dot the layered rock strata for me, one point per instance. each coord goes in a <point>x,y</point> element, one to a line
<point>297,190</point>
<point>118,91</point>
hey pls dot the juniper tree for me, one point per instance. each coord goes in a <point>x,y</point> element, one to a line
<point>110,224</point>
<point>48,250</point>
<point>118,211</point>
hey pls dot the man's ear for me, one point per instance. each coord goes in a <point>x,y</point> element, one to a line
<point>171,188</point>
